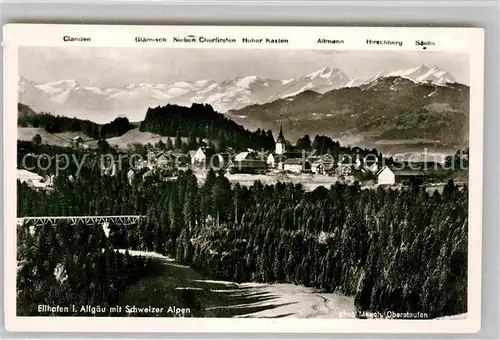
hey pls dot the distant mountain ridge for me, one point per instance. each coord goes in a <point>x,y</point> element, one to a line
<point>419,74</point>
<point>391,110</point>
<point>69,98</point>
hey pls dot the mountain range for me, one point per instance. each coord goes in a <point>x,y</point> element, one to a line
<point>69,98</point>
<point>391,113</point>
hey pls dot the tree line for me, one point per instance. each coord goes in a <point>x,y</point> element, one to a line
<point>58,124</point>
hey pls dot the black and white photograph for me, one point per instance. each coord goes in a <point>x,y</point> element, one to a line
<point>243,183</point>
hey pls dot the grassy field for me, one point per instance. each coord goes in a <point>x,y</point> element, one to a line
<point>61,139</point>
<point>135,136</point>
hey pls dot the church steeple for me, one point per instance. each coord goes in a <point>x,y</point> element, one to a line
<point>281,138</point>
<point>280,142</point>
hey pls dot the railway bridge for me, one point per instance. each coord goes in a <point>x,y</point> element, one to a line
<point>85,220</point>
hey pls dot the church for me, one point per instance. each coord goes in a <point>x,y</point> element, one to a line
<point>280,143</point>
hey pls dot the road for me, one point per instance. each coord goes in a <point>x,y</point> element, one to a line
<point>264,300</point>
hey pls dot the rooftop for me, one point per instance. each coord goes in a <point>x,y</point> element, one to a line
<point>28,175</point>
<point>292,161</point>
<point>403,171</point>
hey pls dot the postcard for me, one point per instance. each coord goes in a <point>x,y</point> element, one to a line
<point>242,179</point>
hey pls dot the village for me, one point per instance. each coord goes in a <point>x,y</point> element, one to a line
<point>310,168</point>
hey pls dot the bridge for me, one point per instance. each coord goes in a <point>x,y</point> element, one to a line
<point>86,220</point>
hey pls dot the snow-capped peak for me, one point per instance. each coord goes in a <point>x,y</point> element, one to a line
<point>355,82</point>
<point>445,78</point>
<point>64,83</point>
<point>411,73</point>
<point>325,73</point>
<point>436,75</point>
<point>60,86</point>
<point>245,82</point>
<point>419,74</point>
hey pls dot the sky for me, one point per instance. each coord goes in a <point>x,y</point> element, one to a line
<point>116,67</point>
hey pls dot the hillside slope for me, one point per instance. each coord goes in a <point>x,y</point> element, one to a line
<point>135,136</point>
<point>61,139</point>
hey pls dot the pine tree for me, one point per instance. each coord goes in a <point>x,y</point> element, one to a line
<point>178,141</point>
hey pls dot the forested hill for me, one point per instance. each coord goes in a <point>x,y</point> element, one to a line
<point>57,124</point>
<point>24,110</point>
<point>202,121</point>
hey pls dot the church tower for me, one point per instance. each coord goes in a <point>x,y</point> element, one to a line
<point>280,142</point>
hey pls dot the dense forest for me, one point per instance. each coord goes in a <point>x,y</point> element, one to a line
<point>65,265</point>
<point>394,250</point>
<point>202,121</point>
<point>58,124</point>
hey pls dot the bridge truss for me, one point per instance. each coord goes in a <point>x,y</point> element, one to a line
<point>85,220</point>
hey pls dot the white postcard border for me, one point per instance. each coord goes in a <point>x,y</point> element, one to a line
<point>467,40</point>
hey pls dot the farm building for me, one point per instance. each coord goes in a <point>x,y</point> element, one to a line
<point>322,166</point>
<point>242,156</point>
<point>248,166</point>
<point>76,141</point>
<point>164,159</point>
<point>296,165</point>
<point>390,176</point>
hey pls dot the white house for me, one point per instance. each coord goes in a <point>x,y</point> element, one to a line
<point>271,162</point>
<point>386,176</point>
<point>198,157</point>
<point>404,175</point>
